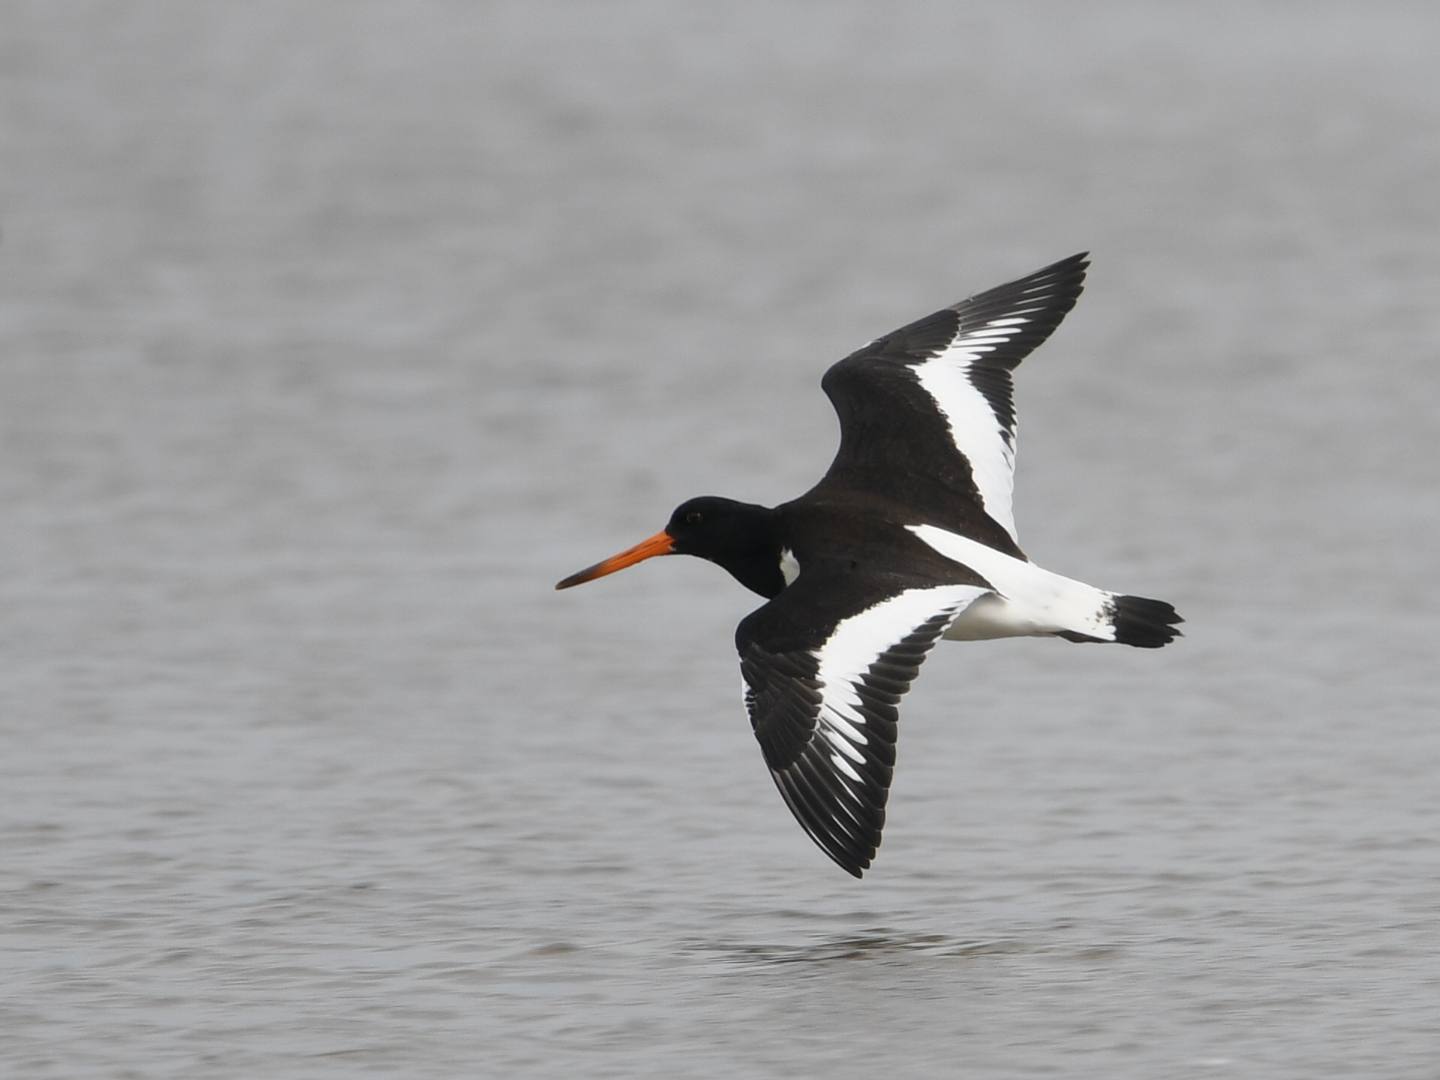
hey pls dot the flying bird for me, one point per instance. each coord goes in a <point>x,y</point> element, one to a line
<point>907,539</point>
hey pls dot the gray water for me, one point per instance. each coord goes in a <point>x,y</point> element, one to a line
<point>332,334</point>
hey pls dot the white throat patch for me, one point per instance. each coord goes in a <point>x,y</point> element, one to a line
<point>789,566</point>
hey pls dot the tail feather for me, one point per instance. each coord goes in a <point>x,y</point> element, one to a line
<point>1146,624</point>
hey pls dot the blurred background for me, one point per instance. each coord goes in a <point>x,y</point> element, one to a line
<point>333,334</point>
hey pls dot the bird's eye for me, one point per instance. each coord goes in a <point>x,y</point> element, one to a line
<point>694,517</point>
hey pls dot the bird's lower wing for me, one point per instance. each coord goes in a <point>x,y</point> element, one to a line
<point>823,695</point>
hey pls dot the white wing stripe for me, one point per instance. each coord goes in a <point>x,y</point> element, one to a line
<point>844,726</point>
<point>975,429</point>
<point>844,766</point>
<point>837,740</point>
<point>857,642</point>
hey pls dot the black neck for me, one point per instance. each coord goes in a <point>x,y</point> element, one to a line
<point>750,550</point>
<point>759,571</point>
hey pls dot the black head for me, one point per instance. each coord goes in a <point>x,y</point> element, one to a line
<point>716,529</point>
<point>742,537</point>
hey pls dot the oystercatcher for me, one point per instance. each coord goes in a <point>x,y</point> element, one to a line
<point>907,539</point>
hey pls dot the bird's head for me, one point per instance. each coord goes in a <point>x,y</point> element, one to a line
<point>741,537</point>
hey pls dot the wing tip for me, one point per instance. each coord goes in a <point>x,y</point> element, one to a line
<point>1080,261</point>
<point>853,863</point>
<point>847,847</point>
<point>1061,281</point>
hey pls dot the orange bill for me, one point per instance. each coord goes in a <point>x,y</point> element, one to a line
<point>659,544</point>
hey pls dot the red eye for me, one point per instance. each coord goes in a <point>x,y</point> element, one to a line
<point>694,517</point>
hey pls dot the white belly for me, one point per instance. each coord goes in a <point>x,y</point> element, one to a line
<point>993,616</point>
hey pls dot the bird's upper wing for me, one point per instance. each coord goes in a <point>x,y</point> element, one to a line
<point>823,678</point>
<point>928,407</point>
